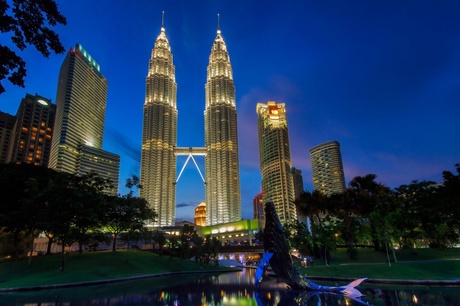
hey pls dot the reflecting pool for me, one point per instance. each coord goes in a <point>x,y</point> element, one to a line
<point>235,288</point>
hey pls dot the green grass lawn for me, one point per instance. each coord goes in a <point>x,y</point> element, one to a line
<point>423,264</point>
<point>90,267</point>
<point>420,264</point>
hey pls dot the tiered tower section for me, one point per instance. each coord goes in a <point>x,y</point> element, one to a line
<point>159,133</point>
<point>221,139</point>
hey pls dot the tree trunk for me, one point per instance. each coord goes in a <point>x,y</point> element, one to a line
<point>31,250</point>
<point>50,243</point>
<point>114,242</point>
<point>62,257</point>
<point>16,244</point>
<point>388,255</point>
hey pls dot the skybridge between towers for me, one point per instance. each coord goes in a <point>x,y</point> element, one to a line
<point>190,152</point>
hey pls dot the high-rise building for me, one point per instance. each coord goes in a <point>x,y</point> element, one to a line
<point>223,203</point>
<point>327,168</point>
<point>298,182</point>
<point>32,133</point>
<point>200,214</point>
<point>81,103</point>
<point>275,159</point>
<point>159,134</point>
<point>6,130</point>
<point>258,206</point>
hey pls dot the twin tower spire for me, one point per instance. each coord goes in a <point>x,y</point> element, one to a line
<point>159,136</point>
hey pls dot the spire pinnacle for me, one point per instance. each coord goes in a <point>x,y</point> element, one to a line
<point>218,23</point>
<point>163,21</point>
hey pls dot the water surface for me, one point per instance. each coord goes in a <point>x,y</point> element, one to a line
<point>235,288</point>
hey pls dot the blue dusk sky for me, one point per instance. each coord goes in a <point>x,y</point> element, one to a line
<point>380,77</point>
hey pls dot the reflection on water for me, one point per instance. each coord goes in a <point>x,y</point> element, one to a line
<point>225,289</point>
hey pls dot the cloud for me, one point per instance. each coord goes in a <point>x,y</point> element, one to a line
<point>182,205</point>
<point>123,144</point>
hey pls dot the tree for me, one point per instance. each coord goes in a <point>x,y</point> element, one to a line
<point>173,241</point>
<point>21,204</point>
<point>199,244</point>
<point>159,237</point>
<point>88,205</point>
<point>416,214</point>
<point>326,232</point>
<point>29,24</point>
<point>62,205</point>
<point>299,237</point>
<point>186,237</point>
<point>315,206</point>
<point>385,210</point>
<point>449,200</point>
<point>364,191</point>
<point>211,249</point>
<point>127,213</point>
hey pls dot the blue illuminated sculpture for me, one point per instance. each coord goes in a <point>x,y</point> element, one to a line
<point>277,255</point>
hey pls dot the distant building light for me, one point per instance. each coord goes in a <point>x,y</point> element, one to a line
<point>42,102</point>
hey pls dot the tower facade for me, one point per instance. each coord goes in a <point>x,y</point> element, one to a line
<point>6,134</point>
<point>159,134</point>
<point>327,168</point>
<point>221,139</point>
<point>258,206</point>
<point>298,182</point>
<point>80,115</point>
<point>33,130</point>
<point>275,159</point>
<point>200,215</point>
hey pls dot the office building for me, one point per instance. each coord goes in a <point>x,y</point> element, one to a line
<point>275,159</point>
<point>32,132</point>
<point>159,134</point>
<point>81,103</point>
<point>258,206</point>
<point>223,201</point>
<point>327,168</point>
<point>6,130</point>
<point>298,182</point>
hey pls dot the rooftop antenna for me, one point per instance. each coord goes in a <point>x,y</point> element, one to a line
<point>163,20</point>
<point>218,23</point>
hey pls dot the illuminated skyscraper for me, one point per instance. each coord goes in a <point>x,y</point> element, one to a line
<point>79,125</point>
<point>200,215</point>
<point>159,134</point>
<point>327,168</point>
<point>275,159</point>
<point>223,202</point>
<point>33,130</point>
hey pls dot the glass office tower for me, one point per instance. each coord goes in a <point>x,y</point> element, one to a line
<point>80,115</point>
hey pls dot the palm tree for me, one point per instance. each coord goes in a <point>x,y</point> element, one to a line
<point>364,191</point>
<point>315,205</point>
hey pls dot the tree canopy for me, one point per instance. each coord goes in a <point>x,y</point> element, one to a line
<point>27,23</point>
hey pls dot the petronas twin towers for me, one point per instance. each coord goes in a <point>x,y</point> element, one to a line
<point>159,137</point>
